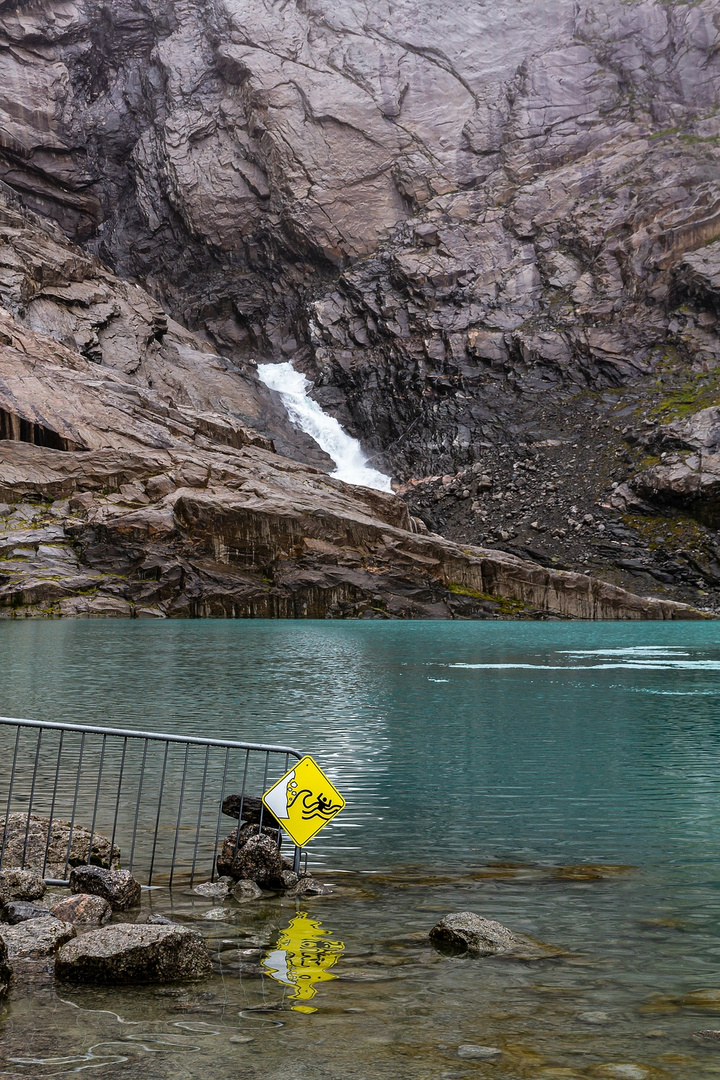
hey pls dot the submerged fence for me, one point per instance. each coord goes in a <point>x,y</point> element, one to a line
<point>152,803</point>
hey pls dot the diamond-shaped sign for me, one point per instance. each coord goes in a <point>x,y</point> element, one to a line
<point>304,801</point>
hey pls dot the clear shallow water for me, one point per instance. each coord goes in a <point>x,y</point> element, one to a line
<point>459,747</point>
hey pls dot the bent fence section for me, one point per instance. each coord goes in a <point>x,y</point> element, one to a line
<point>155,797</point>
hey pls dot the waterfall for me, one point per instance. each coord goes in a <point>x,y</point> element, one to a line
<point>350,461</point>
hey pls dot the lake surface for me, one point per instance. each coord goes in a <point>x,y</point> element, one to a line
<point>562,778</point>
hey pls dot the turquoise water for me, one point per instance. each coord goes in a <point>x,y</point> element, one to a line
<point>459,747</point>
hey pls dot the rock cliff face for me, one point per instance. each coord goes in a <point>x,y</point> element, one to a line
<point>487,233</point>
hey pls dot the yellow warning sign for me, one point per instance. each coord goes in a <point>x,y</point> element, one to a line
<point>302,957</point>
<point>304,801</point>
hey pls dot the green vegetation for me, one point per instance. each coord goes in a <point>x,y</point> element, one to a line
<point>506,605</point>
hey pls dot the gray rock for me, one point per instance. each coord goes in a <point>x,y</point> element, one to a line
<point>244,891</point>
<point>5,969</point>
<point>622,1071</point>
<point>20,885</point>
<point>465,932</point>
<point>83,909</point>
<point>36,939</point>
<point>219,889</point>
<point>479,1053</point>
<point>257,859</point>
<point>17,911</point>
<point>289,878</point>
<point>134,953</point>
<point>60,846</point>
<point>310,886</point>
<point>118,887</point>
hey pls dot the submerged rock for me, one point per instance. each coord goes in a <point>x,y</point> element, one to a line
<point>83,909</point>
<point>36,939</point>
<point>310,886</point>
<point>18,884</point>
<point>219,889</point>
<point>17,911</point>
<point>118,887</point>
<point>5,969</point>
<point>245,891</point>
<point>622,1071</point>
<point>465,932</point>
<point>135,953</point>
<point>49,847</point>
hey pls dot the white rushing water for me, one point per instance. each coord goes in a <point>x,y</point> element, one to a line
<point>350,461</point>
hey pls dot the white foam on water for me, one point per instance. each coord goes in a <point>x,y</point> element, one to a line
<point>628,665</point>
<point>350,461</point>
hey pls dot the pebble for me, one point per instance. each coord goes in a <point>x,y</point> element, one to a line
<point>484,1053</point>
<point>707,1035</point>
<point>622,1071</point>
<point>598,1018</point>
<point>241,1038</point>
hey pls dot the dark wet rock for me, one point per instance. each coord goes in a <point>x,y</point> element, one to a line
<point>83,909</point>
<point>257,859</point>
<point>244,891</point>
<point>707,1035</point>
<point>20,885</point>
<point>236,841</point>
<point>62,848</point>
<point>36,938</point>
<point>219,889</point>
<point>479,1053</point>
<point>118,887</point>
<point>135,953</point>
<point>156,920</point>
<point>465,932</point>
<point>17,911</point>
<point>289,879</point>
<point>5,969</point>
<point>249,809</point>
<point>310,886</point>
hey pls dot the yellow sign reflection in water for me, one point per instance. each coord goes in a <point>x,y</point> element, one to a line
<point>302,957</point>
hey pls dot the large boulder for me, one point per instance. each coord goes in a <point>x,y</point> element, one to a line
<point>16,884</point>
<point>30,846</point>
<point>118,887</point>
<point>135,953</point>
<point>257,858</point>
<point>249,808</point>
<point>83,909</point>
<point>36,939</point>
<point>465,932</point>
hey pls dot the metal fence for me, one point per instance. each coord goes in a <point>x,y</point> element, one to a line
<point>150,802</point>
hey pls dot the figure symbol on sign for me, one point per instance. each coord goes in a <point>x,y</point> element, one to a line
<point>314,805</point>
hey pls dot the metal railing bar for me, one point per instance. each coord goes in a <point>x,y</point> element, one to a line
<point>242,802</point>
<point>159,810</point>
<point>219,817</point>
<point>179,815</point>
<point>157,736</point>
<point>137,805</point>
<point>117,799</point>
<point>97,800</point>
<point>32,795</point>
<point>9,798</point>
<point>75,799</point>
<point>199,817</point>
<point>52,803</point>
